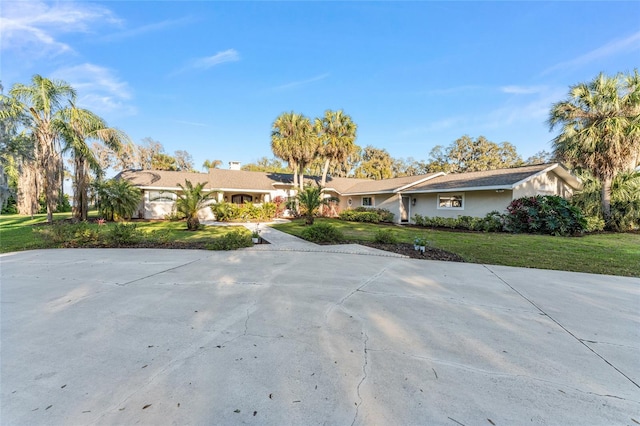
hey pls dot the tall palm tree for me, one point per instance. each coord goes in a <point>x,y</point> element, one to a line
<point>600,128</point>
<point>337,134</point>
<point>36,105</point>
<point>76,126</point>
<point>294,141</point>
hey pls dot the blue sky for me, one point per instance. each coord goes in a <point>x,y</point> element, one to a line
<point>210,77</point>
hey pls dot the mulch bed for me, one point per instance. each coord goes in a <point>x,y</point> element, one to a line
<point>430,253</point>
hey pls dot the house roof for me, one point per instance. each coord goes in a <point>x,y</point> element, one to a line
<point>493,179</point>
<point>161,179</point>
<point>367,186</point>
<point>240,180</point>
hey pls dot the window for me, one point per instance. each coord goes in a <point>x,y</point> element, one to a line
<point>451,201</point>
<point>367,201</point>
<point>164,196</point>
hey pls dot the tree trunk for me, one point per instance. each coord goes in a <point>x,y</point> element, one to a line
<point>50,163</point>
<point>295,175</point>
<point>80,198</point>
<point>606,199</point>
<point>325,171</point>
<point>28,189</point>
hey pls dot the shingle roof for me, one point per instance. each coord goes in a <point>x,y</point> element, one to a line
<point>490,178</point>
<point>161,178</point>
<point>223,179</point>
<point>240,179</point>
<point>385,185</point>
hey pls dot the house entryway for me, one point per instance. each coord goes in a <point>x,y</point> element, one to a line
<point>404,209</point>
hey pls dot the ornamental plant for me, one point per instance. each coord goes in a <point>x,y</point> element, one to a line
<point>548,214</point>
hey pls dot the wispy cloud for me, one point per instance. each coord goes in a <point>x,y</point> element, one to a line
<point>33,27</point>
<point>516,111</point>
<point>628,44</point>
<point>98,89</point>
<point>295,84</point>
<point>149,28</point>
<point>522,90</point>
<point>201,64</point>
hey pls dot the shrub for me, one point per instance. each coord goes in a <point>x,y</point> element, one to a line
<point>225,212</point>
<point>322,233</point>
<point>594,224</point>
<point>365,214</point>
<point>69,234</point>
<point>547,214</point>
<point>233,240</point>
<point>269,211</point>
<point>249,212</point>
<point>492,222</point>
<point>359,216</point>
<point>123,234</point>
<point>385,236</point>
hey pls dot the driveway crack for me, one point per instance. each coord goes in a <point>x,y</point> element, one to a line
<point>365,363</point>
<point>581,341</point>
<point>157,273</point>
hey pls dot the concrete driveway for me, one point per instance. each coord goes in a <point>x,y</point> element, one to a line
<point>119,336</point>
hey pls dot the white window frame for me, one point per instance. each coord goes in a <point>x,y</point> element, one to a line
<point>450,195</point>
<point>373,201</point>
<point>159,193</point>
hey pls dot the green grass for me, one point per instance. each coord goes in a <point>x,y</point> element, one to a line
<point>17,232</point>
<point>612,254</point>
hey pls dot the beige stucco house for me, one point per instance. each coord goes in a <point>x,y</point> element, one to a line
<point>435,194</point>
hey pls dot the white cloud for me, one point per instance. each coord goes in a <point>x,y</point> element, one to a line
<point>294,84</point>
<point>628,44</point>
<point>149,28</point>
<point>98,89</point>
<point>33,27</point>
<point>230,55</point>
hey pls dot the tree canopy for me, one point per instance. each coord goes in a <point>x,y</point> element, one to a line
<point>600,128</point>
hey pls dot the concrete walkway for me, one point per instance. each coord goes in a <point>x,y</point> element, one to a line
<point>155,337</point>
<point>281,241</point>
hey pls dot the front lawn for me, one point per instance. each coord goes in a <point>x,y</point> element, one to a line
<point>19,233</point>
<point>612,254</point>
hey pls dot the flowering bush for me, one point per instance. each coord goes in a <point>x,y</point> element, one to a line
<point>547,214</point>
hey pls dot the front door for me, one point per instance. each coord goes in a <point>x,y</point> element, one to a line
<point>404,209</point>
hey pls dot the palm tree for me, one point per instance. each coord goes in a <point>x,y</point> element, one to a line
<point>310,199</point>
<point>189,200</point>
<point>337,134</point>
<point>600,128</point>
<point>293,140</point>
<point>36,105</point>
<point>211,164</point>
<point>116,198</point>
<point>77,126</point>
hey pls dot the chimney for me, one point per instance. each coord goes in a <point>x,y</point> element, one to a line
<point>234,165</point>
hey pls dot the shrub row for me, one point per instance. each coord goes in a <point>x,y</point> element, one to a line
<point>535,215</point>
<point>492,222</point>
<point>370,215</point>
<point>227,212</point>
<point>82,234</point>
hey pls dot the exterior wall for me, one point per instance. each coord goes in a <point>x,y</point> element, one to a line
<point>476,204</point>
<point>390,202</point>
<point>547,184</point>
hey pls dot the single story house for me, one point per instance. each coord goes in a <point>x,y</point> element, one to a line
<point>435,194</point>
